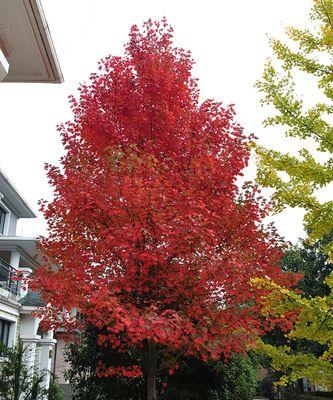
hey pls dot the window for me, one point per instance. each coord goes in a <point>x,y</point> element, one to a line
<point>4,331</point>
<point>2,220</point>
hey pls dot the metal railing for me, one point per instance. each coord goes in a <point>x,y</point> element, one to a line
<point>7,277</point>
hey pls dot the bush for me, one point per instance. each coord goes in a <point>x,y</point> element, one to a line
<point>195,380</point>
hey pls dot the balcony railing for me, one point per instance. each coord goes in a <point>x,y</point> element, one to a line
<point>7,277</point>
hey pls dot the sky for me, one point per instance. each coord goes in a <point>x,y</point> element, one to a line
<point>228,40</point>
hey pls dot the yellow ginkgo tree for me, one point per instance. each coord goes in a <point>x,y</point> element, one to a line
<point>296,179</point>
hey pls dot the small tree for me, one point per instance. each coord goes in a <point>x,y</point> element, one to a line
<point>154,241</point>
<point>17,381</point>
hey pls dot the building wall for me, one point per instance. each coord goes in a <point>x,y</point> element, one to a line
<point>59,364</point>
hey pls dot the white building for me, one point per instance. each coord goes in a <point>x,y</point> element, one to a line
<point>18,255</point>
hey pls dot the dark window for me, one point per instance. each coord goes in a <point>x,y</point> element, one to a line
<point>2,220</point>
<point>4,331</point>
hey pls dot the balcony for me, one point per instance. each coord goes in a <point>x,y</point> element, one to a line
<point>7,277</point>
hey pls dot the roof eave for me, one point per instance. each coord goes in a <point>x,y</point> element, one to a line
<point>15,198</point>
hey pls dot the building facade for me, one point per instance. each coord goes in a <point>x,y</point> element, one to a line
<point>18,259</point>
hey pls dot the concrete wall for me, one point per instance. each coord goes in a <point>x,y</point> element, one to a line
<point>68,392</point>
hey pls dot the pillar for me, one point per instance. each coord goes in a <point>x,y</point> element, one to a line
<point>47,344</point>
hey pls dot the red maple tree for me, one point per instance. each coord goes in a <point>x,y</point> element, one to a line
<point>154,241</point>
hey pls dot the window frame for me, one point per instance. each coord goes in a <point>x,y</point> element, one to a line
<point>6,218</point>
<point>5,334</point>
<point>3,217</point>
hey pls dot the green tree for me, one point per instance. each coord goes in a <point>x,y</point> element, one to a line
<point>310,54</point>
<point>314,266</point>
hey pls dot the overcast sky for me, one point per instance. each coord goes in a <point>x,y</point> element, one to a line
<point>228,40</point>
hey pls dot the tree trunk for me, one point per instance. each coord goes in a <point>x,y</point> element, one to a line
<point>151,370</point>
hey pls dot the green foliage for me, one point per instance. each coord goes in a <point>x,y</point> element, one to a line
<point>313,265</point>
<point>315,268</point>
<point>195,380</point>
<point>55,392</point>
<point>17,382</point>
<point>238,379</point>
<point>192,380</point>
<point>310,55</point>
<point>84,357</point>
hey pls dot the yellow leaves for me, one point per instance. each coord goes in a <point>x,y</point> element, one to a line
<point>295,180</point>
<point>323,12</point>
<point>314,322</point>
<point>327,36</point>
<point>297,365</point>
<point>278,88</point>
<point>329,281</point>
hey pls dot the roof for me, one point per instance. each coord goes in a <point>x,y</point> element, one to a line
<point>32,299</point>
<point>26,43</point>
<point>14,198</point>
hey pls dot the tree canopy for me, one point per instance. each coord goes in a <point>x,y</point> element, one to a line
<point>153,240</point>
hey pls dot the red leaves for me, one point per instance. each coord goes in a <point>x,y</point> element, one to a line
<point>153,238</point>
<point>133,371</point>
